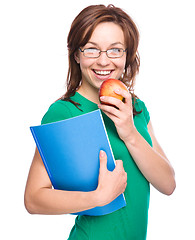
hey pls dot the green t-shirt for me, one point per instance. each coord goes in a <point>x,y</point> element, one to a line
<point>130,222</point>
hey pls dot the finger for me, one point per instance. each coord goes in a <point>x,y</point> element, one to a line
<point>111,101</point>
<point>109,109</point>
<point>125,186</point>
<point>126,177</point>
<point>119,164</point>
<point>126,95</point>
<point>103,161</point>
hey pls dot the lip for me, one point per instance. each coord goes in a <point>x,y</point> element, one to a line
<point>102,77</point>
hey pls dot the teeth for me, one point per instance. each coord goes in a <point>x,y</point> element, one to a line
<point>102,72</point>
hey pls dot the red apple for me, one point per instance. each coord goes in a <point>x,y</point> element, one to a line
<point>108,88</point>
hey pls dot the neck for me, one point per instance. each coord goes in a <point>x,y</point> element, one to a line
<point>91,94</point>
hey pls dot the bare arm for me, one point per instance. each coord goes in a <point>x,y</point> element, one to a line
<point>151,161</point>
<point>41,198</point>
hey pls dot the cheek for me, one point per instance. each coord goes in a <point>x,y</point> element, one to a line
<point>121,65</point>
<point>85,66</point>
<point>86,63</point>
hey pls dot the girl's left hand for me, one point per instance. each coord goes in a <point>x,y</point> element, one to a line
<point>122,116</point>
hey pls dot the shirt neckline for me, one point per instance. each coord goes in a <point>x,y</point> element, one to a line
<point>85,103</point>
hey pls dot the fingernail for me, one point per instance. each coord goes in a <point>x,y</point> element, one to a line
<point>102,97</point>
<point>102,153</point>
<point>117,90</point>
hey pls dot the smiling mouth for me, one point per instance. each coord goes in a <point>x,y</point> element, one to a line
<point>102,72</point>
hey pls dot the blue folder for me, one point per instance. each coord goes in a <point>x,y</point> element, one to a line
<point>70,152</point>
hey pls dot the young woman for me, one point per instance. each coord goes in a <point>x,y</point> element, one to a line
<point>102,44</point>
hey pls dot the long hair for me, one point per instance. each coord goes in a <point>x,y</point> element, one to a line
<point>80,32</point>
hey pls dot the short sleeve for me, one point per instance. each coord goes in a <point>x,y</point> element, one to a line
<point>56,112</point>
<point>146,113</point>
<point>140,106</point>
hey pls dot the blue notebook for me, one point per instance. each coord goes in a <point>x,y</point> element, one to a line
<point>70,152</point>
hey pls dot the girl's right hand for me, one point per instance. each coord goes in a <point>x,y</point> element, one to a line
<point>110,184</point>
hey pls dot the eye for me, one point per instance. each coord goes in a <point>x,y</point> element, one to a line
<point>115,50</point>
<point>91,52</point>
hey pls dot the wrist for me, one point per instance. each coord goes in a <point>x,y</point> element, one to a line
<point>131,137</point>
<point>97,198</point>
<point>94,198</point>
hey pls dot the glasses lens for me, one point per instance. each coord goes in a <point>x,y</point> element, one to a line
<point>91,52</point>
<point>95,53</point>
<point>115,52</point>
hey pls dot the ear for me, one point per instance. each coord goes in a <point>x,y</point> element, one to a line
<point>76,57</point>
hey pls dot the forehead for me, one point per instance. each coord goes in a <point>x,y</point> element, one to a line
<point>107,33</point>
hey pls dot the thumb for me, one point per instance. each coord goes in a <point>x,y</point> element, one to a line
<point>119,164</point>
<point>103,160</point>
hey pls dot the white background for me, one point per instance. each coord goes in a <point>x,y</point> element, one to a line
<point>33,68</point>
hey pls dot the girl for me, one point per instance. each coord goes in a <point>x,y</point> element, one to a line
<point>102,44</point>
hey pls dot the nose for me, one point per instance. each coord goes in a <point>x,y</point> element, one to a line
<point>103,60</point>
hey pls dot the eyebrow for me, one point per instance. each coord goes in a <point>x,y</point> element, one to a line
<point>110,45</point>
<point>117,43</point>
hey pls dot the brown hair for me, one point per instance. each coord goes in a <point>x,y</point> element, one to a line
<point>80,32</point>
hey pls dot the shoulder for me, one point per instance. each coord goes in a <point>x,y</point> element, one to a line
<point>140,106</point>
<point>57,111</point>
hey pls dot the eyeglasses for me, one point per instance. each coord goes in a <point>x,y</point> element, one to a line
<point>95,53</point>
